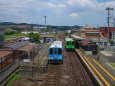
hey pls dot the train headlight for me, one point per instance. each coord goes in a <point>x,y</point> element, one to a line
<point>51,58</point>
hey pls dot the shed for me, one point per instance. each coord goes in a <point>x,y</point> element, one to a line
<point>48,38</point>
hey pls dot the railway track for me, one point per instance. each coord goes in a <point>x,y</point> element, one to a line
<point>70,73</point>
<point>53,75</point>
<point>81,77</point>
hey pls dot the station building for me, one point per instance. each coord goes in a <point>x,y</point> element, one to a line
<point>94,39</point>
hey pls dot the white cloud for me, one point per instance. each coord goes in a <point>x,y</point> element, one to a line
<point>107,4</point>
<point>52,5</point>
<point>74,15</point>
<point>30,10</point>
<point>83,3</point>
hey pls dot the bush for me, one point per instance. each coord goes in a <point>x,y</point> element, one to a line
<point>94,52</point>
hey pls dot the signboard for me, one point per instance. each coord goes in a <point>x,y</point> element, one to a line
<point>26,60</point>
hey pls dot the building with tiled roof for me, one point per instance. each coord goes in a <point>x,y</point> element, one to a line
<point>89,33</point>
<point>88,27</point>
<point>92,35</point>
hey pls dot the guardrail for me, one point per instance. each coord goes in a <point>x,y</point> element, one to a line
<point>4,73</point>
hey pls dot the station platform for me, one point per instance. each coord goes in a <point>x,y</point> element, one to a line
<point>104,73</point>
<point>41,60</point>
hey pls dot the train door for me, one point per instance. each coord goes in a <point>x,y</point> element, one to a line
<point>60,55</point>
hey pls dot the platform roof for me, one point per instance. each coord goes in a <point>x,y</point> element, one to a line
<point>5,53</point>
<point>27,48</point>
<point>19,45</point>
<point>77,37</point>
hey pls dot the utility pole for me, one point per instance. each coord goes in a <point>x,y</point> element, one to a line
<point>98,43</point>
<point>114,22</point>
<point>45,23</point>
<point>108,22</point>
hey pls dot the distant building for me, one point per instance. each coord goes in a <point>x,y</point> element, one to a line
<point>88,27</point>
<point>2,38</point>
<point>27,32</point>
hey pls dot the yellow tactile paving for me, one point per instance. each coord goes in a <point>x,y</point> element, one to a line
<point>104,69</point>
<point>98,73</point>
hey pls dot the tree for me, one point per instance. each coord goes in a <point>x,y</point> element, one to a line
<point>34,37</point>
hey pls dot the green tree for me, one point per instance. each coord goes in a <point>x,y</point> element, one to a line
<point>34,37</point>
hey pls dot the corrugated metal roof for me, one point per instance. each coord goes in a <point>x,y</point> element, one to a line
<point>27,48</point>
<point>5,53</point>
<point>19,45</point>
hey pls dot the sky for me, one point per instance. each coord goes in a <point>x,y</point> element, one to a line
<point>58,12</point>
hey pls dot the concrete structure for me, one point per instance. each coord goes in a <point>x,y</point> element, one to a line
<point>2,38</point>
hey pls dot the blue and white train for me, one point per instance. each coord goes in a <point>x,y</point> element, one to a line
<point>55,52</point>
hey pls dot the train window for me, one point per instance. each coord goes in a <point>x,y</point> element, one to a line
<point>72,43</point>
<point>68,43</point>
<point>59,51</point>
<point>51,51</point>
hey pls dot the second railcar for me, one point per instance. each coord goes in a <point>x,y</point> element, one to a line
<point>55,53</point>
<point>70,44</point>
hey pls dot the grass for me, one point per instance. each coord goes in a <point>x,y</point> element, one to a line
<point>15,34</point>
<point>112,64</point>
<point>13,78</point>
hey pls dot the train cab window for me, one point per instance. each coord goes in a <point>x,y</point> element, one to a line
<point>55,51</point>
<point>51,51</point>
<point>72,43</point>
<point>59,51</point>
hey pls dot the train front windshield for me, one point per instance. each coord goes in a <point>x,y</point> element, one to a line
<point>55,51</point>
<point>59,51</point>
<point>51,51</point>
<point>72,43</point>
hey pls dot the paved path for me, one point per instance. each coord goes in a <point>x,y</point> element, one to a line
<point>106,53</point>
<point>102,67</point>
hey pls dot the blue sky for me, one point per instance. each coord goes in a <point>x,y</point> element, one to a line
<point>58,12</point>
